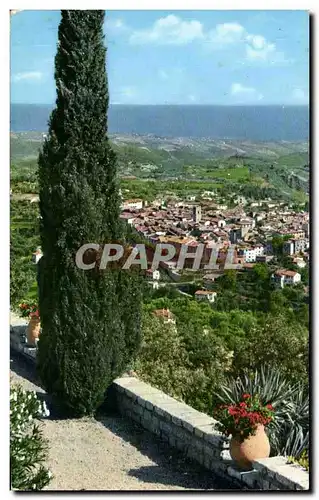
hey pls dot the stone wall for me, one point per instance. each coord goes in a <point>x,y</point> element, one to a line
<point>187,429</point>
<point>195,434</point>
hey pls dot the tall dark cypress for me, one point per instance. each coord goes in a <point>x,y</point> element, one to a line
<point>90,319</point>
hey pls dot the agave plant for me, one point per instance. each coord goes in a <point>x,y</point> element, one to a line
<point>289,431</point>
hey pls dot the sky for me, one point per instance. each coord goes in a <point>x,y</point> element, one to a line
<point>176,57</point>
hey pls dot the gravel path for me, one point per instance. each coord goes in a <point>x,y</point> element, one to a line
<point>111,452</point>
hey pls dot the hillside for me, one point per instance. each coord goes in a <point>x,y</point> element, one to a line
<point>283,166</point>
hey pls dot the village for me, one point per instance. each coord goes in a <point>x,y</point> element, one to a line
<point>248,229</point>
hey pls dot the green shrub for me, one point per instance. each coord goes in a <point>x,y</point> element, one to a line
<point>28,449</point>
<point>184,362</point>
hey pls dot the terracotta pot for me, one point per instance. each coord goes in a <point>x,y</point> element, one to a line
<point>252,448</point>
<point>33,330</point>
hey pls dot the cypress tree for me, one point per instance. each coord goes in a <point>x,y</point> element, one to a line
<point>90,319</point>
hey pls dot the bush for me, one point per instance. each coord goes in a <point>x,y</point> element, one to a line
<point>303,460</point>
<point>184,362</point>
<point>28,449</point>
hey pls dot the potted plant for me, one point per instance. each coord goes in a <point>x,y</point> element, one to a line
<point>245,421</point>
<point>31,311</point>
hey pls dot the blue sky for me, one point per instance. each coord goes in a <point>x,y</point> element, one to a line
<point>176,57</point>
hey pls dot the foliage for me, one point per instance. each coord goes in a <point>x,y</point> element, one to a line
<point>24,239</point>
<point>28,449</point>
<point>289,431</point>
<point>303,460</point>
<point>241,419</point>
<point>90,318</point>
<point>29,310</point>
<point>184,363</point>
<point>253,337</point>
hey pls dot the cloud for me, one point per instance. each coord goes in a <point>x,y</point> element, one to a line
<point>258,49</point>
<point>226,34</point>
<point>192,98</point>
<point>172,30</point>
<point>27,75</point>
<point>115,24</point>
<point>240,91</point>
<point>169,30</point>
<point>238,88</point>
<point>299,95</point>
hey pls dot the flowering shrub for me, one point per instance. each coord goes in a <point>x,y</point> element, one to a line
<point>29,310</point>
<point>28,449</point>
<point>242,419</point>
<point>289,432</point>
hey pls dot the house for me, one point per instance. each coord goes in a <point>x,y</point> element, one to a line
<point>153,274</point>
<point>136,204</point>
<point>283,277</point>
<point>299,262</point>
<point>306,229</point>
<point>36,256</point>
<point>299,234</point>
<point>301,245</point>
<point>288,247</point>
<point>128,218</point>
<point>166,315</point>
<point>251,253</point>
<point>264,258</point>
<point>269,248</point>
<point>234,235</point>
<point>205,295</point>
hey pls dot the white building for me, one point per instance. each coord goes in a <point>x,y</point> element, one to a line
<point>289,247</point>
<point>153,274</point>
<point>205,295</point>
<point>251,253</point>
<point>299,262</point>
<point>133,204</point>
<point>284,277</point>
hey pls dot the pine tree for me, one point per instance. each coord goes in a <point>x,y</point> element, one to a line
<point>90,319</point>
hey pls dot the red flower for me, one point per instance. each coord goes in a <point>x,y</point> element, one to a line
<point>246,396</point>
<point>35,314</point>
<point>231,411</point>
<point>270,407</point>
<point>243,404</point>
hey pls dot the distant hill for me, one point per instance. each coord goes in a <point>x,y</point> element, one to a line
<point>281,165</point>
<point>253,123</point>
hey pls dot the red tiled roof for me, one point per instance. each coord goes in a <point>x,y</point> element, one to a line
<point>285,272</point>
<point>163,313</point>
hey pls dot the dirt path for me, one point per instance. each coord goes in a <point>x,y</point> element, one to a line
<point>111,453</point>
